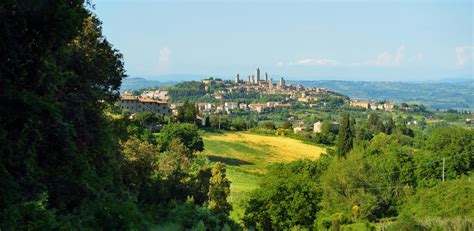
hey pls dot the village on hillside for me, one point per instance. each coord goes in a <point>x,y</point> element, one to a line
<point>218,92</point>
<point>309,97</point>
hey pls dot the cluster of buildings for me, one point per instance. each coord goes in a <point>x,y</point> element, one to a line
<point>228,107</point>
<point>155,94</point>
<point>300,127</point>
<point>255,80</point>
<point>372,105</point>
<point>135,104</point>
<point>156,100</point>
<point>265,85</point>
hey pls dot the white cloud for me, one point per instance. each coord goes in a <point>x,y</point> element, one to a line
<point>388,59</point>
<point>164,58</point>
<point>384,59</point>
<point>464,54</point>
<point>309,62</point>
<point>316,62</point>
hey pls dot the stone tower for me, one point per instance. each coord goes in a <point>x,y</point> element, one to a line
<point>237,79</point>
<point>282,82</point>
<point>257,76</point>
<point>266,77</point>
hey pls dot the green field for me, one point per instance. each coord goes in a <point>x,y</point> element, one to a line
<point>248,156</point>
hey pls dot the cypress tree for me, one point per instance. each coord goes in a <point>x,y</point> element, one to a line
<point>345,136</point>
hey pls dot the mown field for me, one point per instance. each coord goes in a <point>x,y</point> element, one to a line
<point>248,156</point>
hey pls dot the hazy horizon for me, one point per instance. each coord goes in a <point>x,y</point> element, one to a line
<point>193,77</point>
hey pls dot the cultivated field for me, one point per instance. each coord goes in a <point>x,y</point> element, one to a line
<point>247,156</point>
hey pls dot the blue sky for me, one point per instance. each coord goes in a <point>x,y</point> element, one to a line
<point>350,40</point>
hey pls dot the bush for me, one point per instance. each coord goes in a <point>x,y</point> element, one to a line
<point>406,224</point>
<point>288,196</point>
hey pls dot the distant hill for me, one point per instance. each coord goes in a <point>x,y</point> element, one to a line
<point>140,83</point>
<point>458,94</point>
<point>443,95</point>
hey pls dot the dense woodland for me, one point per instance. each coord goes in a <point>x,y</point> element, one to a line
<point>71,160</point>
<point>66,161</point>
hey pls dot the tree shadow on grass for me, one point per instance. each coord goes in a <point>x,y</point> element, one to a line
<point>229,160</point>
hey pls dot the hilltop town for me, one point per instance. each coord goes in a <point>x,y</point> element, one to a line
<point>225,96</point>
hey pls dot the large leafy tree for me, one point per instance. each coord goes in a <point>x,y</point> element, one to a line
<point>187,113</point>
<point>372,178</point>
<point>455,146</point>
<point>57,73</point>
<point>186,133</point>
<point>288,196</point>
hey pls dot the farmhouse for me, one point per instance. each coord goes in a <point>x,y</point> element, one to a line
<point>136,104</point>
<point>205,107</point>
<point>356,103</point>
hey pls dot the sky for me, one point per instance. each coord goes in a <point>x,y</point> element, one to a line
<point>304,40</point>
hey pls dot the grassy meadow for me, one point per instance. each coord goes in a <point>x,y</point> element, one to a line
<point>248,156</point>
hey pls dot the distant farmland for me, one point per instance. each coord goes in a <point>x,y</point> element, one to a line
<point>247,156</point>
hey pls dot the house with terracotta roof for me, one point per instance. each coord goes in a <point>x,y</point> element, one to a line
<point>363,104</point>
<point>137,104</point>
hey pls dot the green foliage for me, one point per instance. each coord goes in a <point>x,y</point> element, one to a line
<point>56,80</point>
<point>219,190</point>
<point>371,178</point>
<point>186,133</point>
<point>141,163</point>
<point>346,135</point>
<point>288,196</point>
<point>32,215</point>
<point>268,125</point>
<point>286,125</point>
<point>187,113</point>
<point>189,216</point>
<point>191,90</point>
<point>67,161</point>
<point>239,125</point>
<point>456,145</point>
<point>149,118</point>
<point>109,213</point>
<point>406,224</point>
<point>219,121</point>
<point>450,199</point>
<point>327,135</point>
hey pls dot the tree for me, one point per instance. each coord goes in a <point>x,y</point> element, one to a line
<point>186,133</point>
<point>219,190</point>
<point>187,113</point>
<point>288,196</point>
<point>376,123</point>
<point>328,133</point>
<point>269,125</point>
<point>455,145</point>
<point>286,125</point>
<point>346,135</point>
<point>141,163</point>
<point>175,162</point>
<point>149,118</point>
<point>56,144</point>
<point>219,121</point>
<point>238,124</point>
<point>390,127</point>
